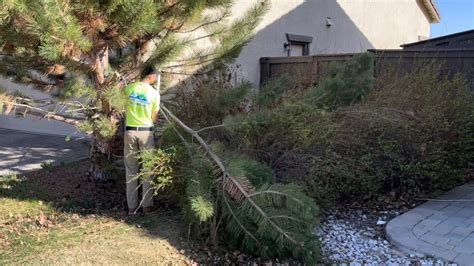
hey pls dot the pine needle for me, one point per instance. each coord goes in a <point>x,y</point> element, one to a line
<point>235,192</point>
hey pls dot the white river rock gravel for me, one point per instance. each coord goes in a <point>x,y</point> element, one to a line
<point>358,238</point>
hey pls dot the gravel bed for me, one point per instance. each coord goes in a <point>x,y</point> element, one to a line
<point>358,238</point>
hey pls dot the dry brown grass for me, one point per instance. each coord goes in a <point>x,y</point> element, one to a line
<point>115,243</point>
<point>58,217</point>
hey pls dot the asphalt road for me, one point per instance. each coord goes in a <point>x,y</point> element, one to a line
<point>22,151</point>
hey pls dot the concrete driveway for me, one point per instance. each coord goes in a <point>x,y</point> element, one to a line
<point>21,151</point>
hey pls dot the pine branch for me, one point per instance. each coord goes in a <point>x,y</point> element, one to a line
<point>192,64</point>
<point>237,186</point>
<point>217,160</point>
<point>27,109</point>
<point>199,56</point>
<point>195,135</point>
<point>188,73</point>
<point>203,25</point>
<point>178,133</point>
<point>49,101</point>
<point>276,193</point>
<point>230,185</point>
<point>210,127</point>
<point>237,220</point>
<point>38,70</point>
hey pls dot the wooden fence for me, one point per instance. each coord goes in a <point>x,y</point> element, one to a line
<point>451,62</point>
<point>304,70</point>
<point>308,70</point>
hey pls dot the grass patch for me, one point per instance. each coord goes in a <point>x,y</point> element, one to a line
<point>27,236</point>
<point>56,216</point>
<point>13,187</point>
<point>74,239</point>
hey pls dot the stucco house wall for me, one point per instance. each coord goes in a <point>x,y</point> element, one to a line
<point>357,25</point>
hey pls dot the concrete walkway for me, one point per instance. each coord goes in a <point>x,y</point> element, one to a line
<point>442,228</point>
<point>21,151</point>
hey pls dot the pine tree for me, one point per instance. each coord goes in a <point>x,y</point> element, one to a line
<point>88,50</point>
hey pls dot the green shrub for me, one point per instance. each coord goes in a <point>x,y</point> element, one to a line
<point>408,136</point>
<point>346,83</point>
<point>211,101</point>
<point>413,135</point>
<point>158,164</point>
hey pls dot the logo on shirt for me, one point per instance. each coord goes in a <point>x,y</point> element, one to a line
<point>139,98</point>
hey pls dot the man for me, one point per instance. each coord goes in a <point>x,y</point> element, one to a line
<point>141,114</point>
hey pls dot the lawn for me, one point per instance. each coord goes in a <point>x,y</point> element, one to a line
<point>57,216</point>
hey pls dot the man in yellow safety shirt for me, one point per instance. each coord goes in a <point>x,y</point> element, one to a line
<point>141,114</point>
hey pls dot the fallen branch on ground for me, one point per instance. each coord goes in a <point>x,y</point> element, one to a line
<point>243,193</point>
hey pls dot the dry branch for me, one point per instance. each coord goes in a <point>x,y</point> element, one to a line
<point>30,110</point>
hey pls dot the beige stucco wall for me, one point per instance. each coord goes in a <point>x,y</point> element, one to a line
<point>32,123</point>
<point>358,25</point>
<point>388,23</point>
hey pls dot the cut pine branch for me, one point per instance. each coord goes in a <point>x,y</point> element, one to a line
<point>241,191</point>
<point>38,112</point>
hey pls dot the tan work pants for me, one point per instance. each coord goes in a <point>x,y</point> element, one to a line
<point>134,142</point>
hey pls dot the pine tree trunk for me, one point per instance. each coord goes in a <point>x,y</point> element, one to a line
<point>104,154</point>
<point>98,159</point>
<point>100,150</point>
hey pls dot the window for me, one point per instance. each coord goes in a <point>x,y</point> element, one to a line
<point>298,45</point>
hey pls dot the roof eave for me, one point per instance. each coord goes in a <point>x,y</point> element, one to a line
<point>433,12</point>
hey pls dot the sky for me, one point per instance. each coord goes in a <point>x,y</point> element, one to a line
<point>456,16</point>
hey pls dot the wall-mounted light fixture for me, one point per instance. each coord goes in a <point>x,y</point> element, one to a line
<point>328,22</point>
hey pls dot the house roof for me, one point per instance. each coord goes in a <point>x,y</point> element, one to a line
<point>439,38</point>
<point>432,10</point>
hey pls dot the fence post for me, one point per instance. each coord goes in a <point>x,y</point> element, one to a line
<point>265,73</point>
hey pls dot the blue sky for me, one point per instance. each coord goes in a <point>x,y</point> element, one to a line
<point>456,16</point>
